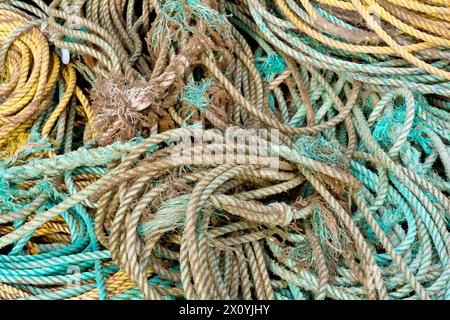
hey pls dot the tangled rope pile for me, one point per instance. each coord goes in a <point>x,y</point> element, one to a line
<point>107,192</point>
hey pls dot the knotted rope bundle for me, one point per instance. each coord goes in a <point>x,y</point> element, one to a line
<point>105,204</point>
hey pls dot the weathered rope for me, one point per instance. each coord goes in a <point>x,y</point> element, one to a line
<point>116,181</point>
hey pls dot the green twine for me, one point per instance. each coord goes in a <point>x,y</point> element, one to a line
<point>319,149</point>
<point>75,40</point>
<point>176,11</point>
<point>271,66</point>
<point>5,194</point>
<point>195,94</point>
<point>389,125</point>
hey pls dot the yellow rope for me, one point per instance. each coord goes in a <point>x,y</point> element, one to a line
<point>29,78</point>
<point>365,9</point>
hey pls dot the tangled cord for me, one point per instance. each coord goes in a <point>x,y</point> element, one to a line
<point>98,203</point>
<point>330,38</point>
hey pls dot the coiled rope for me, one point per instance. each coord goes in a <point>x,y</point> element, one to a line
<point>99,97</point>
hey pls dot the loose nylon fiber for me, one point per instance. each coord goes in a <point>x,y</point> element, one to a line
<point>97,97</point>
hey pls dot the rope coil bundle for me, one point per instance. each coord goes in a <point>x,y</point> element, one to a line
<point>98,97</point>
<point>33,76</point>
